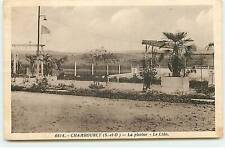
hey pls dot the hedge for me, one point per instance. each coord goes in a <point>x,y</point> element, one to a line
<point>116,94</point>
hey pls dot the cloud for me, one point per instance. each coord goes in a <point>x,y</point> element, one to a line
<point>123,30</point>
<point>199,28</point>
<point>116,28</point>
<point>204,17</point>
<point>129,21</point>
<point>127,17</point>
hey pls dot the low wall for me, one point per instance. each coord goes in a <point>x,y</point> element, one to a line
<point>173,85</point>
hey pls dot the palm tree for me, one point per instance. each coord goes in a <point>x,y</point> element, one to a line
<point>210,47</point>
<point>181,51</point>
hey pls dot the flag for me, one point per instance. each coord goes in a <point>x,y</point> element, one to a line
<point>44,30</point>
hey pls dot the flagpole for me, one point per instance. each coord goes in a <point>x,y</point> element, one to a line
<point>38,42</point>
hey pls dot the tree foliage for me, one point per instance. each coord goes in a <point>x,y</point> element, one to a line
<point>32,60</point>
<point>49,63</point>
<point>181,51</point>
<point>103,56</point>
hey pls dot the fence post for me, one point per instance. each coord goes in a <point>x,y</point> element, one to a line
<point>92,69</point>
<point>27,71</point>
<point>119,69</point>
<point>107,69</point>
<point>75,68</point>
<point>118,78</point>
<point>131,67</point>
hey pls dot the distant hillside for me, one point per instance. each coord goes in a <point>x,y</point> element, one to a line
<point>125,59</point>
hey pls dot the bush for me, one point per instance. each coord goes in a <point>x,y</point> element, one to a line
<point>134,79</point>
<point>83,78</point>
<point>61,86</point>
<point>96,86</point>
<point>202,87</point>
<point>41,85</point>
<point>97,91</point>
<point>99,78</point>
<point>198,84</point>
<point>17,88</point>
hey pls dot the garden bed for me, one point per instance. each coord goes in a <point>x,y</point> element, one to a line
<point>116,94</point>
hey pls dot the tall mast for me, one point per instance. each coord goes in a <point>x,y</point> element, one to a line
<point>38,43</point>
<point>38,40</point>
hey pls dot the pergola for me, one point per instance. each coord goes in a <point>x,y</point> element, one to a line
<point>16,48</point>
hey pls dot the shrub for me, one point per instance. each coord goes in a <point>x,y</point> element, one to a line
<point>134,79</point>
<point>17,88</point>
<point>96,90</point>
<point>96,86</point>
<point>99,78</point>
<point>198,84</point>
<point>61,86</point>
<point>41,85</point>
<point>202,87</point>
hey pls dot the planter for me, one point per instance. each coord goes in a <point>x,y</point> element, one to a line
<point>174,85</point>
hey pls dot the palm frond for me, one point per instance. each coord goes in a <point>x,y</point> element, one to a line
<point>209,46</point>
<point>169,36</point>
<point>175,37</point>
<point>188,40</point>
<point>180,35</point>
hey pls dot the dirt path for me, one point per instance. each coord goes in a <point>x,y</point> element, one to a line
<point>36,112</point>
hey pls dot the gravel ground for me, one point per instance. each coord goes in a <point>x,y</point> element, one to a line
<point>37,112</point>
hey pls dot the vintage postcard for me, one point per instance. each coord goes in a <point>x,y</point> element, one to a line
<point>112,69</point>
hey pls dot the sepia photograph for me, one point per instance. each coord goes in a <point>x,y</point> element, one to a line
<point>112,71</point>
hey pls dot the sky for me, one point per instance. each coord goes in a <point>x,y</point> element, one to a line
<point>116,28</point>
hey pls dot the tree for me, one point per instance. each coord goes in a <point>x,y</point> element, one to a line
<point>210,47</point>
<point>59,62</point>
<point>101,56</point>
<point>181,51</point>
<point>49,63</point>
<point>149,71</point>
<point>31,59</point>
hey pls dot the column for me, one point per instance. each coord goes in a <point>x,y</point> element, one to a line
<point>37,71</point>
<point>14,63</point>
<point>17,62</point>
<point>42,68</point>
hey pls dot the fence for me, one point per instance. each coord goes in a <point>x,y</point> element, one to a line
<point>200,74</point>
<point>99,70</point>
